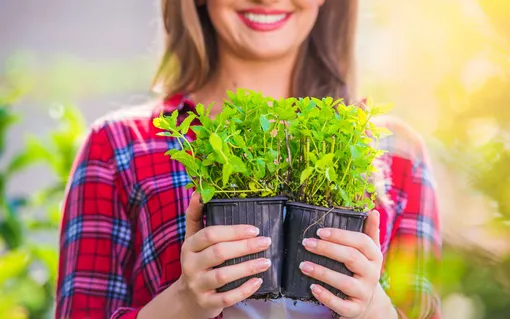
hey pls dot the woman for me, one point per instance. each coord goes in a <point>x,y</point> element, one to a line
<point>132,243</point>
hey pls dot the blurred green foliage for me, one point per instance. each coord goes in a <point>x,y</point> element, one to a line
<point>28,263</point>
<point>474,127</point>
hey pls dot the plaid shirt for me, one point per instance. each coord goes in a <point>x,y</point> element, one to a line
<point>123,223</point>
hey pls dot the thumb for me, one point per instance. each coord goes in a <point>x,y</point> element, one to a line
<point>194,217</point>
<point>371,227</point>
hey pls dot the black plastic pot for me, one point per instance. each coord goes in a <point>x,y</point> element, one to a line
<point>267,215</point>
<point>298,219</point>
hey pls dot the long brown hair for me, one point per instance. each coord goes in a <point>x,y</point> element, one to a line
<point>325,66</point>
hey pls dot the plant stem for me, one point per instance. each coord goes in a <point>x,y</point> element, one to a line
<point>185,139</point>
<point>289,172</point>
<point>346,170</point>
<point>354,143</point>
<point>320,184</point>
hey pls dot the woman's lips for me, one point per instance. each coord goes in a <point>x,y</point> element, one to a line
<point>264,20</point>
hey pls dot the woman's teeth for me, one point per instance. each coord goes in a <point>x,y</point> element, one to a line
<point>264,18</point>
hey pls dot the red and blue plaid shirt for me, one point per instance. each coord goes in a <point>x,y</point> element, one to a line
<point>124,223</point>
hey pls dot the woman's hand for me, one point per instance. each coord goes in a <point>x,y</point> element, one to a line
<point>208,247</point>
<point>361,254</point>
<point>194,294</point>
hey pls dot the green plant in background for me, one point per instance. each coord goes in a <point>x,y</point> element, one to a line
<point>476,146</point>
<point>28,265</point>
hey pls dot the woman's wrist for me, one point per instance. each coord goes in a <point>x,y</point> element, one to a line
<point>170,303</point>
<point>381,306</point>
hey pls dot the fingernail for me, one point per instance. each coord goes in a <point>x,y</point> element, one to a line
<point>263,242</point>
<point>317,290</point>
<point>253,231</point>
<point>306,267</point>
<point>257,282</point>
<point>310,242</point>
<point>323,233</point>
<point>263,265</point>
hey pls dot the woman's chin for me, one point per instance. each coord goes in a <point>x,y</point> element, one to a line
<point>268,52</point>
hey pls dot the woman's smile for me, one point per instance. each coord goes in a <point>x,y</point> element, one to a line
<point>264,20</point>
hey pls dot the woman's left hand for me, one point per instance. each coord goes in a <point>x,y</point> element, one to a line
<point>361,254</point>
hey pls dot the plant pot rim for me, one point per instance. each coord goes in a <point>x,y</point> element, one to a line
<point>248,199</point>
<point>326,209</point>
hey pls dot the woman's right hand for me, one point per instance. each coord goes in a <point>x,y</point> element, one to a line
<point>205,248</point>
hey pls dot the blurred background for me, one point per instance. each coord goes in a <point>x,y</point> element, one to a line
<point>445,64</point>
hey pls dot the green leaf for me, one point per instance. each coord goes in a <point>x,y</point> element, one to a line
<point>160,123</point>
<point>171,152</point>
<point>355,152</point>
<point>208,110</point>
<point>380,109</point>
<point>227,171</point>
<point>200,131</point>
<point>239,141</point>
<point>305,174</point>
<point>306,132</point>
<point>184,127</point>
<point>166,122</point>
<point>261,168</point>
<point>287,114</point>
<point>264,122</point>
<point>331,174</point>
<point>237,164</point>
<point>216,142</point>
<point>164,134</point>
<point>370,188</point>
<point>200,109</point>
<point>271,167</point>
<point>19,162</point>
<point>232,96</point>
<point>207,192</point>
<point>12,264</point>
<point>345,197</point>
<point>318,102</point>
<point>187,160</point>
<point>325,161</point>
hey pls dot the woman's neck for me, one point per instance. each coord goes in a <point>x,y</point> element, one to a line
<point>270,77</point>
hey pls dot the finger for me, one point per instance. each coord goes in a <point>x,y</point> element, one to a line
<point>219,277</point>
<point>350,286</point>
<point>194,217</point>
<point>345,308</point>
<point>216,234</point>
<point>357,240</point>
<point>230,298</point>
<point>353,259</point>
<point>221,252</point>
<point>371,227</point>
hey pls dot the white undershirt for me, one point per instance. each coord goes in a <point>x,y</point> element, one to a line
<point>281,308</point>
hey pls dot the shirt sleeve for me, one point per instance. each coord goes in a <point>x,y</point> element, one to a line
<point>413,255</point>
<point>95,239</point>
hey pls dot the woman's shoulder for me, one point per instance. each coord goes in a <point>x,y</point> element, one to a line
<point>127,119</point>
<point>133,124</point>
